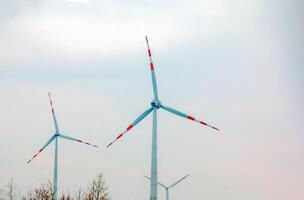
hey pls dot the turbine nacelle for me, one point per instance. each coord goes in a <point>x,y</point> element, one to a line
<point>156,104</point>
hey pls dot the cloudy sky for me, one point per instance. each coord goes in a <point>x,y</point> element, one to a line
<point>236,64</point>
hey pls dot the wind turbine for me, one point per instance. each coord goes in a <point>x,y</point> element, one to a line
<point>155,105</point>
<point>55,137</point>
<point>168,187</point>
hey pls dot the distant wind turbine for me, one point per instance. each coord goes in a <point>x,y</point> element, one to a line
<point>55,137</point>
<point>168,187</point>
<point>155,105</point>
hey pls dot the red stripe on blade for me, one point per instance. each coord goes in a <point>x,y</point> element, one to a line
<point>149,52</point>
<point>203,123</point>
<point>119,136</point>
<point>151,66</point>
<point>129,127</point>
<point>191,118</point>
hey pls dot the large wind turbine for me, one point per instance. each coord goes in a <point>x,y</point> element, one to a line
<point>155,105</point>
<point>55,137</point>
<point>168,187</point>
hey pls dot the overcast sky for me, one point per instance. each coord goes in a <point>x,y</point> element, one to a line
<point>235,64</point>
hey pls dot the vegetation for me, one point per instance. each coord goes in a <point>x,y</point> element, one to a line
<point>96,190</point>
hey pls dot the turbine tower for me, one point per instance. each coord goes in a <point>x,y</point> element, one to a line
<point>168,187</point>
<point>155,105</point>
<point>55,137</point>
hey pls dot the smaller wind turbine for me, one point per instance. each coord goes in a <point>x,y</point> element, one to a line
<point>55,137</point>
<point>168,187</point>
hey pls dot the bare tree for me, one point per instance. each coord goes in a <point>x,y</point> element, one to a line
<point>30,195</point>
<point>97,190</point>
<point>11,193</point>
<point>79,194</point>
<point>66,197</point>
<point>2,194</point>
<point>45,192</point>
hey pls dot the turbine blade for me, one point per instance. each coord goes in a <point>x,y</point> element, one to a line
<point>178,181</point>
<point>48,142</point>
<point>157,182</point>
<point>141,117</point>
<point>77,140</point>
<point>152,71</point>
<point>53,113</point>
<point>186,116</point>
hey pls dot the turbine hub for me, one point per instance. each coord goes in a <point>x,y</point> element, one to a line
<point>155,104</point>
